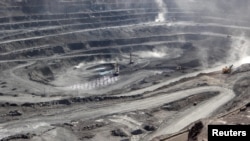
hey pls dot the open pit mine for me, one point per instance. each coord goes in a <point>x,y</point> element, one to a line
<point>122,70</point>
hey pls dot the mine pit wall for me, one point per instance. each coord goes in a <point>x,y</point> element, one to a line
<point>58,66</point>
<point>108,34</point>
<point>223,6</point>
<point>56,39</point>
<point>57,6</point>
<point>8,65</point>
<point>79,40</point>
<point>60,14</point>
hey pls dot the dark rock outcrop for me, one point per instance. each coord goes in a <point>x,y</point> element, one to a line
<point>195,131</point>
<point>15,113</point>
<point>119,132</point>
<point>18,136</point>
<point>137,132</point>
<point>149,128</point>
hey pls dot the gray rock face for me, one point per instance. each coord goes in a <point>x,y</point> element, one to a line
<point>15,113</point>
<point>120,133</point>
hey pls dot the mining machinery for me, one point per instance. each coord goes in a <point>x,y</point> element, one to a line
<point>131,59</point>
<point>227,70</point>
<point>117,69</point>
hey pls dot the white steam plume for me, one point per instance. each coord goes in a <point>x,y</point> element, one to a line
<point>240,50</point>
<point>163,10</point>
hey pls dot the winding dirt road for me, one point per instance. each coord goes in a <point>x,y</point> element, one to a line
<point>66,115</point>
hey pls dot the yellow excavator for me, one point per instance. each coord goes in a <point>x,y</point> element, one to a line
<point>227,70</point>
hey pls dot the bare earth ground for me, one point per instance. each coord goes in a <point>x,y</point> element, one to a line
<point>58,61</point>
